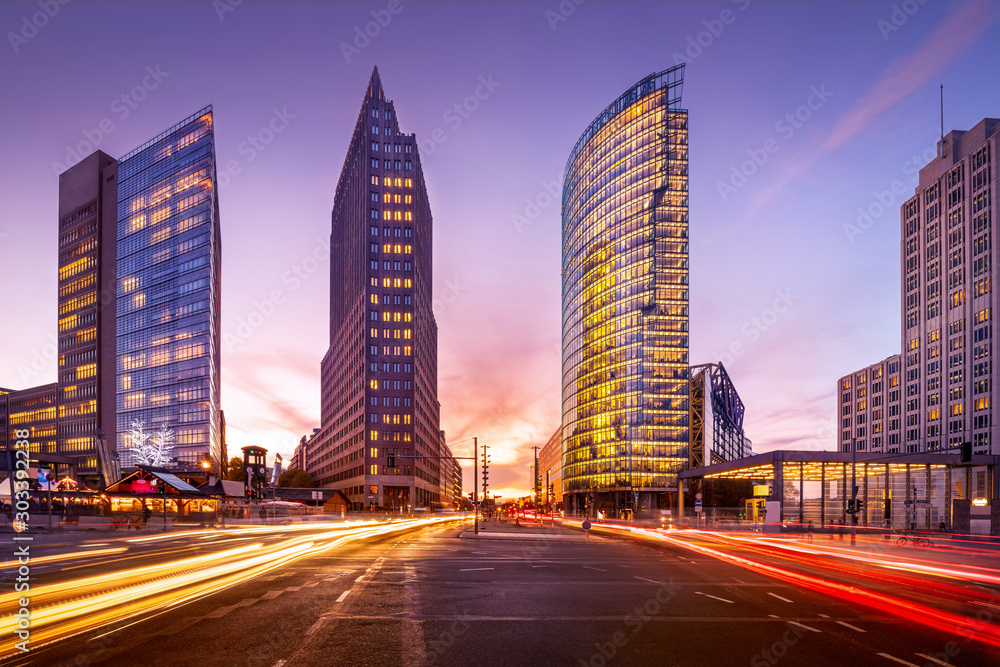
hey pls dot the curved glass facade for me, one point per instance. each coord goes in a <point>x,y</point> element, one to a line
<point>625,301</point>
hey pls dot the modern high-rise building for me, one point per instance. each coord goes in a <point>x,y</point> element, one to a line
<point>947,394</point>
<point>169,282</point>
<point>379,376</point>
<point>625,301</point>
<point>88,198</point>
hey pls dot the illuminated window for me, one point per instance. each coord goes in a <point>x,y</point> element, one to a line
<point>407,350</point>
<point>373,384</point>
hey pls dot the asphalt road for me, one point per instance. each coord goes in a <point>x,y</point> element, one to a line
<point>429,597</point>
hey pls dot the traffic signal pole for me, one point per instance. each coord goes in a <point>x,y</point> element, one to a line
<point>475,470</point>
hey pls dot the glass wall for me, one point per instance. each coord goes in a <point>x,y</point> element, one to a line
<point>625,297</point>
<point>169,293</point>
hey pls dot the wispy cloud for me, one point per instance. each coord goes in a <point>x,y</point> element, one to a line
<point>901,78</point>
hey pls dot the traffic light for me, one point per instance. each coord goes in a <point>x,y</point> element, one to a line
<point>859,505</point>
<point>852,506</point>
<point>966,452</point>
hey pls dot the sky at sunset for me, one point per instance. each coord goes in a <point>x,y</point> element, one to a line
<point>806,121</point>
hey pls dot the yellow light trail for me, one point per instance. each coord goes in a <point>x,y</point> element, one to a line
<point>63,609</point>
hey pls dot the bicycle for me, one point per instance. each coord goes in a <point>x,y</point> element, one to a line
<point>916,540</point>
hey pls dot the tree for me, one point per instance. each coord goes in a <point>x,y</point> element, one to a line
<point>296,478</point>
<point>235,471</point>
<point>151,449</point>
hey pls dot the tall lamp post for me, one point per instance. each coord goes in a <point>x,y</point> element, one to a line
<point>854,492</point>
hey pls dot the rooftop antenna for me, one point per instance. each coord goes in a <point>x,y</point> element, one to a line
<point>942,120</point>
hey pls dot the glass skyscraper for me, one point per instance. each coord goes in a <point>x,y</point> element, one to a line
<point>625,301</point>
<point>168,309</point>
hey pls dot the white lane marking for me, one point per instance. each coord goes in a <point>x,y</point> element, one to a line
<point>343,595</point>
<point>803,626</point>
<point>775,595</point>
<point>895,659</point>
<point>270,595</point>
<point>774,616</point>
<point>539,566</point>
<point>320,622</point>
<point>853,627</point>
<point>587,567</point>
<point>476,569</point>
<point>824,615</point>
<point>280,663</point>
<point>649,580</point>
<point>714,598</point>
<point>934,660</point>
<point>358,580</point>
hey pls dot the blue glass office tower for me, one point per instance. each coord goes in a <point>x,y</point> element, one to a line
<point>625,301</point>
<point>169,279</point>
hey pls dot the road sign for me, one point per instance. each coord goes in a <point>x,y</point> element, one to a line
<point>697,502</point>
<point>697,496</point>
<point>586,525</point>
<point>697,508</point>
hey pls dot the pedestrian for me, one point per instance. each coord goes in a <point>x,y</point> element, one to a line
<point>809,530</point>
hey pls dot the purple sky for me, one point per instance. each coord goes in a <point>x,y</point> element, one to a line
<point>872,77</point>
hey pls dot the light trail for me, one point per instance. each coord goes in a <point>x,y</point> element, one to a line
<point>67,608</point>
<point>946,621</point>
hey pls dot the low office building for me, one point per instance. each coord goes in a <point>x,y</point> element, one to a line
<point>550,471</point>
<point>918,491</point>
